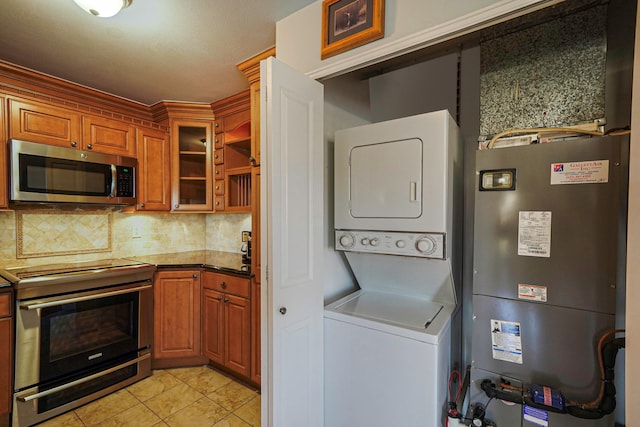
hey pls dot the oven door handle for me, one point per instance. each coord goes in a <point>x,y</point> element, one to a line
<point>83,298</point>
<point>62,387</point>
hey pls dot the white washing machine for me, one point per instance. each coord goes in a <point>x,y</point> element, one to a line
<point>388,345</point>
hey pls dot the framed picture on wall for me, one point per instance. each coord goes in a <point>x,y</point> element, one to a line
<point>347,24</point>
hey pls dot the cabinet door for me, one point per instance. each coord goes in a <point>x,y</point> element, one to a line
<point>30,121</point>
<point>213,325</point>
<point>237,334</point>
<point>176,314</point>
<point>6,355</point>
<point>256,369</point>
<point>109,136</point>
<point>255,123</point>
<point>154,179</point>
<point>255,224</point>
<point>192,183</point>
<point>4,196</point>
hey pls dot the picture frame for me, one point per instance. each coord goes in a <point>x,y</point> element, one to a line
<point>347,24</point>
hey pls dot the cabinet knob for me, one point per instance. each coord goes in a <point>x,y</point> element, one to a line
<point>223,285</point>
<point>283,310</point>
<point>141,205</point>
<point>176,206</point>
<point>226,300</point>
<point>219,298</point>
<point>215,156</point>
<point>252,160</point>
<point>217,172</point>
<point>89,146</point>
<point>74,144</point>
<point>217,203</point>
<point>195,276</point>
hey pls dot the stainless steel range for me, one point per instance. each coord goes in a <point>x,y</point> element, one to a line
<point>83,330</point>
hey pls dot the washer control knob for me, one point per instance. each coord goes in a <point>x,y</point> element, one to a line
<point>347,241</point>
<point>401,244</point>
<point>425,245</point>
<point>364,241</point>
<point>374,242</point>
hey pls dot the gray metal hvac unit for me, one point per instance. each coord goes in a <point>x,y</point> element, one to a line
<point>548,247</point>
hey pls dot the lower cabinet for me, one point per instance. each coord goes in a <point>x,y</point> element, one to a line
<point>176,318</point>
<point>6,355</point>
<point>226,322</point>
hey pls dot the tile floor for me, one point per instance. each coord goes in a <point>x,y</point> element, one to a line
<point>193,397</point>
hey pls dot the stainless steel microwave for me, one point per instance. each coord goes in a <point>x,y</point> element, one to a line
<point>41,173</point>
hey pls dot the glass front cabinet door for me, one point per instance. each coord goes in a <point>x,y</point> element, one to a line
<point>192,166</point>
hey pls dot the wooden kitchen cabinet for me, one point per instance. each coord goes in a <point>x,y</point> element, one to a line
<point>232,127</point>
<point>226,321</point>
<point>154,171</point>
<point>176,318</point>
<point>192,166</point>
<point>4,166</point>
<point>48,124</point>
<point>6,355</point>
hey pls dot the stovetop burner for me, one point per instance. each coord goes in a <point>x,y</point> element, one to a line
<point>40,271</point>
<point>51,279</point>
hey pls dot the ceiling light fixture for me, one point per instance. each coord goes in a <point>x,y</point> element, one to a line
<point>103,8</point>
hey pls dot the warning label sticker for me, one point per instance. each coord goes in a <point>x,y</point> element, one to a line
<point>593,171</point>
<point>506,343</point>
<point>534,233</point>
<point>532,292</point>
<point>536,416</point>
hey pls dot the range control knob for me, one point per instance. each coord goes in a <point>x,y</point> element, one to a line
<point>347,241</point>
<point>426,245</point>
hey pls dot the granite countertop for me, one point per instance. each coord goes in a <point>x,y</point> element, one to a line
<point>229,262</point>
<point>4,283</point>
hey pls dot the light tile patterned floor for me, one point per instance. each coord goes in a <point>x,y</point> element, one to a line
<point>193,397</point>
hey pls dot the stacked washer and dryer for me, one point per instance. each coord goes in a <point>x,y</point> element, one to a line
<point>398,197</point>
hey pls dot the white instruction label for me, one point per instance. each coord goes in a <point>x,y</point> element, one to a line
<point>532,292</point>
<point>534,233</point>
<point>505,341</point>
<point>536,416</point>
<point>593,171</point>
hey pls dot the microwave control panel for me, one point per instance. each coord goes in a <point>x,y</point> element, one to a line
<point>424,245</point>
<point>126,181</point>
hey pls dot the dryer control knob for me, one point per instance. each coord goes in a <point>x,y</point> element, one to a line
<point>347,241</point>
<point>374,242</point>
<point>401,244</point>
<point>425,245</point>
<point>364,241</point>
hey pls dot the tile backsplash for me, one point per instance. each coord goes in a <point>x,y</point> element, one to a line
<point>44,236</point>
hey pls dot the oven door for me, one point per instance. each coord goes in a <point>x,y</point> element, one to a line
<point>58,337</point>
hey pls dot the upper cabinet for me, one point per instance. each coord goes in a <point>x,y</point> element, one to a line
<point>192,184</point>
<point>49,124</point>
<point>232,156</point>
<point>154,170</point>
<point>4,196</point>
<point>251,69</point>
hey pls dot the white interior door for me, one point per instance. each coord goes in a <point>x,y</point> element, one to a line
<point>292,226</point>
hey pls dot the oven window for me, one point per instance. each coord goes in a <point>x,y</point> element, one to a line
<point>85,334</point>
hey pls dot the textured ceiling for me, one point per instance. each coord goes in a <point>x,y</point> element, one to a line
<point>155,50</point>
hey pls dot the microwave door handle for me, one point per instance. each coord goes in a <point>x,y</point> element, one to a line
<point>114,180</point>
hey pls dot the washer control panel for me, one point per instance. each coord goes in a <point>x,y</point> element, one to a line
<point>426,245</point>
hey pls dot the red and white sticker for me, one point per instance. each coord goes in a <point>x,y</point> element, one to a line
<point>532,292</point>
<point>592,171</point>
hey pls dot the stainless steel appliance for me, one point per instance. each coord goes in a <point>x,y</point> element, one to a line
<point>549,245</point>
<point>49,174</point>
<point>397,203</point>
<point>82,330</point>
